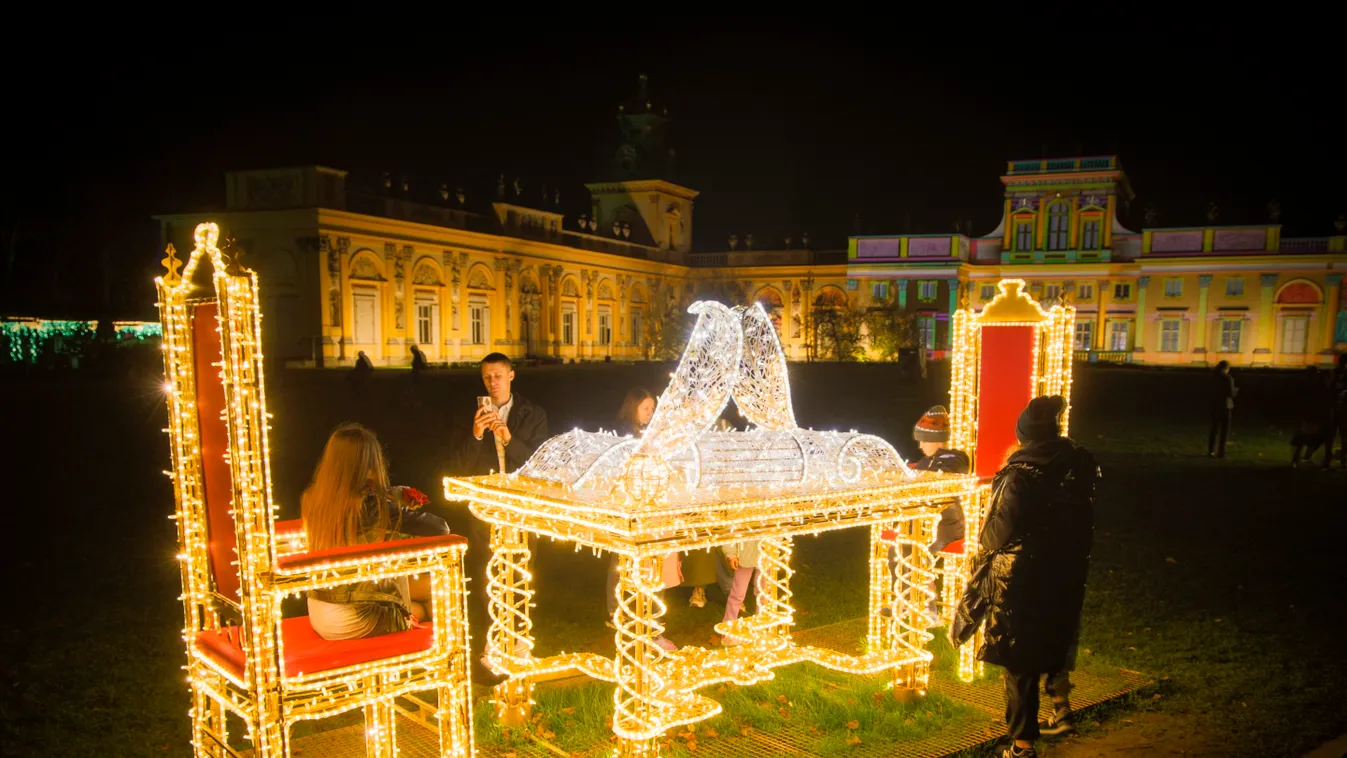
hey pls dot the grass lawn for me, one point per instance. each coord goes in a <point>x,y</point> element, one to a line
<point>1222,577</point>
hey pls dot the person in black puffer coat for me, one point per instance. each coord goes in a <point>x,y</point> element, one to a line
<point>1028,580</point>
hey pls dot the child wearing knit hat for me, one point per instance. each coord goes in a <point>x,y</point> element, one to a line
<point>931,433</point>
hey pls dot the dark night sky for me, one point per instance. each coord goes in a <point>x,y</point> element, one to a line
<point>783,130</point>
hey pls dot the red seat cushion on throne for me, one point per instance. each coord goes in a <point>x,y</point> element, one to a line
<point>307,653</point>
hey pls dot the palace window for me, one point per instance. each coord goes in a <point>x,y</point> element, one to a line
<point>637,336</point>
<point>853,284</point>
<point>425,323</point>
<point>1122,291</point>
<point>1234,286</point>
<point>1085,292</point>
<point>1294,330</point>
<point>605,327</point>
<point>880,290</point>
<point>1173,287</point>
<point>1169,335</point>
<point>477,315</point>
<point>1024,236</point>
<point>926,289</point>
<point>1089,236</point>
<point>1051,293</point>
<point>927,327</point>
<point>987,291</point>
<point>1084,336</point>
<point>1117,335</point>
<point>1230,334</point>
<point>1059,214</point>
<point>568,326</point>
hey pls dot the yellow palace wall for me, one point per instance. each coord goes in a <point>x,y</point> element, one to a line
<point>336,283</point>
<point>377,285</point>
<point>1186,312</point>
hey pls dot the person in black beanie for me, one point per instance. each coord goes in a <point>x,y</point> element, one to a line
<point>1028,580</point>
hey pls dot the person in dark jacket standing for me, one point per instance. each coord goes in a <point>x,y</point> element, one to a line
<point>1220,404</point>
<point>508,418</point>
<point>419,366</point>
<point>1337,426</point>
<point>1316,418</point>
<point>506,426</point>
<point>1028,580</point>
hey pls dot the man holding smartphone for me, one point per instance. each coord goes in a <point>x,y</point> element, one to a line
<point>506,429</point>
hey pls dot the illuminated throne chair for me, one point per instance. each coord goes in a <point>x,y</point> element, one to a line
<point>682,485</point>
<point>244,658</point>
<point>1010,352</point>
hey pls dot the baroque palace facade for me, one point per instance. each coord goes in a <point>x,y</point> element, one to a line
<point>345,271</point>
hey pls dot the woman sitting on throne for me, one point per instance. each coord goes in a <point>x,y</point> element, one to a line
<point>349,502</point>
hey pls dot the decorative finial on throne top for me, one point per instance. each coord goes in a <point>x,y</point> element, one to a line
<point>171,263</point>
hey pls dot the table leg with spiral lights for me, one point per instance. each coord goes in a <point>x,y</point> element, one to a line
<point>908,594</point>
<point>775,615</point>
<point>640,695</point>
<point>510,637</point>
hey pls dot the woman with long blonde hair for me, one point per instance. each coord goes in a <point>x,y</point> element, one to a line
<point>349,502</point>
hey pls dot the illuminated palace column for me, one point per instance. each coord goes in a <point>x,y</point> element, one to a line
<point>1200,327</point>
<point>1003,357</point>
<point>510,637</point>
<point>1138,339</point>
<point>1101,316</point>
<point>547,283</point>
<point>496,320</point>
<point>1332,303</point>
<point>1263,353</point>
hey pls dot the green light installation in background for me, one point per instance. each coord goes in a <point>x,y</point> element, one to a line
<point>27,338</point>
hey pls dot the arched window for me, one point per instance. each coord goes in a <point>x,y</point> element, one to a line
<point>1059,216</point>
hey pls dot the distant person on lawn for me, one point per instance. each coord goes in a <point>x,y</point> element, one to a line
<point>1220,405</point>
<point>1315,420</point>
<point>1028,580</point>
<point>419,366</point>
<point>349,502</point>
<point>361,375</point>
<point>1337,427</point>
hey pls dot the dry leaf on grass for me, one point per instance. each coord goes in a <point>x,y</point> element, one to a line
<point>853,724</point>
<point>853,740</point>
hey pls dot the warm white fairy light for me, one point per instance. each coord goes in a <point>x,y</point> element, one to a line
<point>263,693</point>
<point>683,487</point>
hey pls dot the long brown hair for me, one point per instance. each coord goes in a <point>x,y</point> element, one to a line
<point>626,418</point>
<point>352,465</point>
